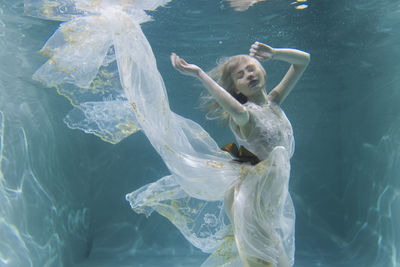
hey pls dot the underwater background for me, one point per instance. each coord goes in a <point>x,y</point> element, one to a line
<point>62,192</point>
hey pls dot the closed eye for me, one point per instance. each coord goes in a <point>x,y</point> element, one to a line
<point>239,74</point>
<point>250,68</point>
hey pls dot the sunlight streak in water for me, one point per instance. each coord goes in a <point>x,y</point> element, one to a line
<point>33,225</point>
<point>379,173</point>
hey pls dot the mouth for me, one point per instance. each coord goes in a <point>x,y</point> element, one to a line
<point>253,83</point>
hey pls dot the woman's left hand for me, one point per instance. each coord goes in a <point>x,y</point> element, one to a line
<point>261,51</point>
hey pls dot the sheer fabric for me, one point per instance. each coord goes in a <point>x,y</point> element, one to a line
<point>102,62</point>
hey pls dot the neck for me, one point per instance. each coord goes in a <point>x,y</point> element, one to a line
<point>260,98</point>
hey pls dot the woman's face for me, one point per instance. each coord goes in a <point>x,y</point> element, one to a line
<point>248,77</point>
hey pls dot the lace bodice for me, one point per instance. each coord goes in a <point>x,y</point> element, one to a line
<point>272,129</point>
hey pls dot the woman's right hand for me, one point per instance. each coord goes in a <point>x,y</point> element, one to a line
<point>183,67</point>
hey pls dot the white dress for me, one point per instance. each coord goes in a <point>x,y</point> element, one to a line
<point>263,211</point>
<point>102,62</point>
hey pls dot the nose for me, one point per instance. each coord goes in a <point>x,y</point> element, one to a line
<point>249,73</point>
<point>250,76</point>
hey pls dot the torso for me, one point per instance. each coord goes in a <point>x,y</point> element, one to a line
<point>267,128</point>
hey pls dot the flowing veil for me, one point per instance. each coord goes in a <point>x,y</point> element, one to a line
<point>101,61</point>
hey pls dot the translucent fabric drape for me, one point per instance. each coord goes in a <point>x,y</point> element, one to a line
<point>101,61</point>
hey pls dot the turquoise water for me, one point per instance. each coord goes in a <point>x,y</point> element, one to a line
<point>62,191</point>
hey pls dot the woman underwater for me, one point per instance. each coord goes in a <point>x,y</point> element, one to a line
<point>256,204</point>
<point>102,61</point>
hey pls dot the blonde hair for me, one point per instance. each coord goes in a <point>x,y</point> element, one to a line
<point>222,74</point>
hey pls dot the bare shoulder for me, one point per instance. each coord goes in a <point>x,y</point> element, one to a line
<point>275,97</point>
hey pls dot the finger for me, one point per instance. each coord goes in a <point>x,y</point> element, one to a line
<point>261,45</point>
<point>178,62</point>
<point>179,65</point>
<point>259,58</point>
<point>173,59</point>
<point>183,62</point>
<point>256,53</point>
<point>252,50</point>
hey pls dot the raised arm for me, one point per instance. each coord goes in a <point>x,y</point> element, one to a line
<point>236,110</point>
<point>297,58</point>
